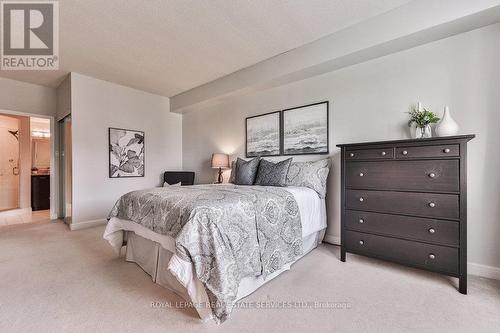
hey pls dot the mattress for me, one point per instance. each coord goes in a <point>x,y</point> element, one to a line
<point>155,253</point>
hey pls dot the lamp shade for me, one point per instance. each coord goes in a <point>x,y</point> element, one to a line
<point>220,160</point>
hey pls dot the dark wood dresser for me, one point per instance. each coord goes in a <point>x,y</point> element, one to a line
<point>405,201</point>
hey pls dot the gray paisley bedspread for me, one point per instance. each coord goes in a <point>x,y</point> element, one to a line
<point>228,232</point>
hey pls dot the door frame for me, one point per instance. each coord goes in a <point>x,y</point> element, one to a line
<point>62,146</point>
<point>54,168</point>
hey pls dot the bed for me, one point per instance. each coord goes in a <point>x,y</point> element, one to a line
<point>199,255</point>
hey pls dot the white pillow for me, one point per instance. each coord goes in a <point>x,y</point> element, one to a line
<point>165,184</point>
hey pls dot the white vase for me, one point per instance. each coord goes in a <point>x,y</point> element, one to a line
<point>447,126</point>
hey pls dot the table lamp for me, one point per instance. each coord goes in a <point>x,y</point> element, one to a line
<point>220,161</point>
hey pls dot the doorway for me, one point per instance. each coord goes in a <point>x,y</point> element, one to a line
<point>26,173</point>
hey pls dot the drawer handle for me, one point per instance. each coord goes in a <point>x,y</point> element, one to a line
<point>383,153</point>
<point>361,199</point>
<point>351,154</point>
<point>432,231</point>
<point>432,175</point>
<point>361,242</point>
<point>405,152</point>
<point>432,204</point>
<point>446,150</point>
<point>361,220</point>
<point>432,256</point>
<point>361,174</point>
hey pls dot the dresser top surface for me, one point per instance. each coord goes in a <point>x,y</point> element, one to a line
<point>467,137</point>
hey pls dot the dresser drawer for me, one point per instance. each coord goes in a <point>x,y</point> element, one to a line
<point>430,175</point>
<point>428,256</point>
<point>408,203</point>
<point>370,154</point>
<point>417,228</point>
<point>428,151</point>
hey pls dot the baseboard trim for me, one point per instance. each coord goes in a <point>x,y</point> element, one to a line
<point>15,212</point>
<point>87,224</point>
<point>331,239</point>
<point>486,271</point>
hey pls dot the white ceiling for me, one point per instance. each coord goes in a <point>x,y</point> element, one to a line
<point>168,47</point>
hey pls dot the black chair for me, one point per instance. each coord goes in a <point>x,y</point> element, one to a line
<point>174,177</point>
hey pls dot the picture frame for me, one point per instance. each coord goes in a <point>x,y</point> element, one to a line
<point>305,129</point>
<point>263,135</point>
<point>126,151</point>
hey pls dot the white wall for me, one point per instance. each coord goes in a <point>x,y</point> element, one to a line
<point>97,105</point>
<point>24,162</point>
<point>63,102</point>
<point>21,192</point>
<point>26,97</point>
<point>368,102</point>
<point>9,150</point>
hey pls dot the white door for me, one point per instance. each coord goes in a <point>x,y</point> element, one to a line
<point>9,163</point>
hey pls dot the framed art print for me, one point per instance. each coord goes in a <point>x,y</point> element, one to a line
<point>126,153</point>
<point>305,129</point>
<point>263,135</point>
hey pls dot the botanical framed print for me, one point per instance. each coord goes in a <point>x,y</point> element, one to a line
<point>126,153</point>
<point>263,135</point>
<point>305,129</point>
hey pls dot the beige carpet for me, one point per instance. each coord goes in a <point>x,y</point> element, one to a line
<point>52,280</point>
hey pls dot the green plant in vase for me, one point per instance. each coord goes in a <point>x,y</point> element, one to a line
<point>422,120</point>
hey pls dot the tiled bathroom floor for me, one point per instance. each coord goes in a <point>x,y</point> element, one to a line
<point>19,216</point>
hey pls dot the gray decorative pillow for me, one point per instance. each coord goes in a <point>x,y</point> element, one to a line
<point>272,174</point>
<point>310,174</point>
<point>233,172</point>
<point>246,171</point>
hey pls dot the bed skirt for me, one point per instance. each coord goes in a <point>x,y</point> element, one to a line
<point>157,262</point>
